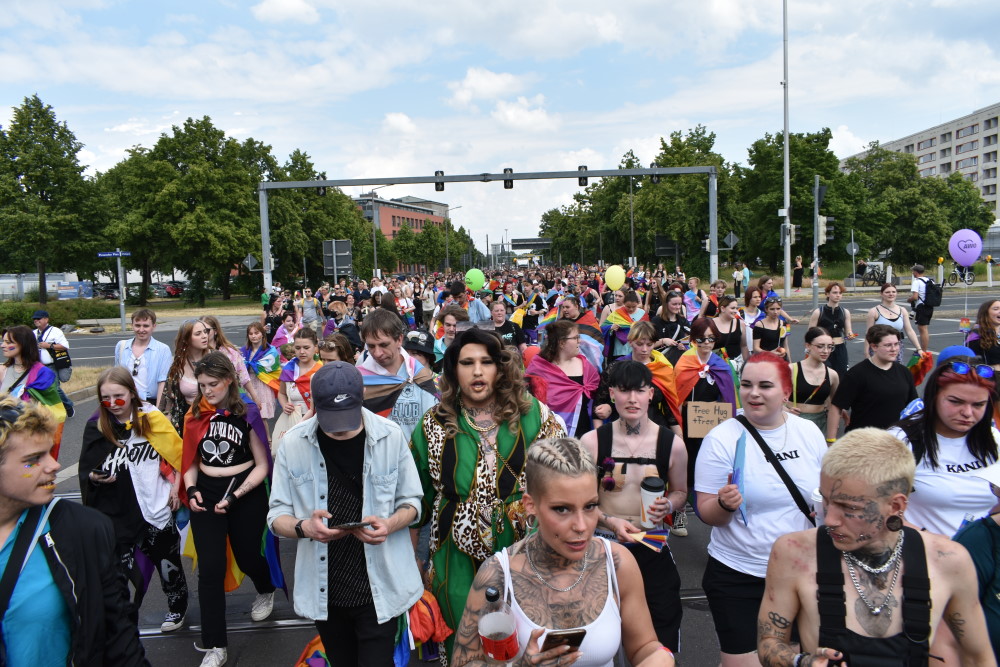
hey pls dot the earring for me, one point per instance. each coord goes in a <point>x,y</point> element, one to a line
<point>894,523</point>
<point>532,522</point>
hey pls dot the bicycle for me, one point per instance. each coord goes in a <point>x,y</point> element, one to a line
<point>874,276</point>
<point>961,273</point>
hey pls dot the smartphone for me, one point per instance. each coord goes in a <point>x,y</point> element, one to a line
<point>355,524</point>
<point>99,472</point>
<point>572,638</point>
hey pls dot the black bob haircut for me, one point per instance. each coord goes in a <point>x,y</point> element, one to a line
<point>628,375</point>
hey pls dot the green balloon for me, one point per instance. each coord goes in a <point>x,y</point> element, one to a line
<point>474,280</point>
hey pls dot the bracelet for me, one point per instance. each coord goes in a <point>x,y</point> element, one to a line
<point>670,506</point>
<point>798,659</point>
<point>723,505</point>
<point>191,490</point>
<point>831,440</point>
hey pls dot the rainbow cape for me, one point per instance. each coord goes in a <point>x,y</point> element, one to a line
<point>591,339</point>
<point>383,388</point>
<point>563,395</point>
<point>39,385</point>
<point>265,364</point>
<point>665,381</point>
<point>303,382</point>
<point>689,369</point>
<point>194,430</point>
<point>624,321</point>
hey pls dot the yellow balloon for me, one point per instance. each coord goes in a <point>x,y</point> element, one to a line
<point>614,277</point>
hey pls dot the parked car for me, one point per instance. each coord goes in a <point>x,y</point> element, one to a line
<point>159,290</point>
<point>105,291</point>
<point>174,288</point>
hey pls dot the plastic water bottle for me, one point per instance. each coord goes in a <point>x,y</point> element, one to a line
<point>498,629</point>
<point>969,518</point>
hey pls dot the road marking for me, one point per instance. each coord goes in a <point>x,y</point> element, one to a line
<point>67,473</point>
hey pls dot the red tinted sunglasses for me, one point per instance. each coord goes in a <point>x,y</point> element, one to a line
<point>118,401</point>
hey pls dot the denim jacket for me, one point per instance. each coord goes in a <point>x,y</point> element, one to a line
<point>390,481</point>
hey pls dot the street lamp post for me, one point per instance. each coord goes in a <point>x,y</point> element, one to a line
<point>447,251</point>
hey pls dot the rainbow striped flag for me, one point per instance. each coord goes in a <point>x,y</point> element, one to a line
<point>549,318</point>
<point>265,363</point>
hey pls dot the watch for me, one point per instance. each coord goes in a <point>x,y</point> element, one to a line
<point>298,529</point>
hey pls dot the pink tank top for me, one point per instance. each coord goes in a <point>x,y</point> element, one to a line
<point>604,634</point>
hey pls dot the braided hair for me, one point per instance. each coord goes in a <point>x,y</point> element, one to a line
<point>556,456</point>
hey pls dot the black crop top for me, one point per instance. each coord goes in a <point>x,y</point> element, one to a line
<point>808,394</point>
<point>227,442</point>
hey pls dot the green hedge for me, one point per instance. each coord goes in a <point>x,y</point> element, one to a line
<point>69,311</point>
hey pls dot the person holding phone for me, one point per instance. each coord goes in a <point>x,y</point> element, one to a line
<point>562,582</point>
<point>346,487</point>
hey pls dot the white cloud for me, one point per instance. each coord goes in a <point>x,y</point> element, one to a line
<point>525,114</point>
<point>280,11</point>
<point>398,123</point>
<point>845,143</point>
<point>482,84</point>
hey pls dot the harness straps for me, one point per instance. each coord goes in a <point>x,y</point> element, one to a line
<point>664,445</point>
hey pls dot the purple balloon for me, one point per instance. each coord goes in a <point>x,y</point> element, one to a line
<point>965,246</point>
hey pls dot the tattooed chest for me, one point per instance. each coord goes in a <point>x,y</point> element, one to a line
<point>559,610</point>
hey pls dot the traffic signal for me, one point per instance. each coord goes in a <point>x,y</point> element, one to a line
<point>322,189</point>
<point>829,227</point>
<point>274,262</point>
<point>821,230</point>
<point>508,184</point>
<point>582,181</point>
<point>791,234</point>
<point>654,178</point>
<point>438,185</point>
<point>708,245</point>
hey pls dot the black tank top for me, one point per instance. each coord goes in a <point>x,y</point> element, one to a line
<point>808,394</point>
<point>908,648</point>
<point>729,340</point>
<point>832,319</point>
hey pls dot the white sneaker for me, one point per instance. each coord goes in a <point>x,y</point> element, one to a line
<point>214,657</point>
<point>262,606</point>
<point>173,621</point>
<point>680,524</point>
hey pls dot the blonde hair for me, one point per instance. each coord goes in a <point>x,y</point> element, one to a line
<point>642,330</point>
<point>17,416</point>
<point>556,456</point>
<point>874,457</point>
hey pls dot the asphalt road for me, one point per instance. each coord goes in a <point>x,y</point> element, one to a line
<point>279,640</point>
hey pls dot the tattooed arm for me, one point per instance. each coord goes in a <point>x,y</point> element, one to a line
<point>779,608</point>
<point>963,614</point>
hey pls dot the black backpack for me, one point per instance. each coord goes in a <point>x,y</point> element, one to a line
<point>932,293</point>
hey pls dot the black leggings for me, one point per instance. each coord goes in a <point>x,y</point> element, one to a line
<point>353,637</point>
<point>662,583</point>
<point>244,523</point>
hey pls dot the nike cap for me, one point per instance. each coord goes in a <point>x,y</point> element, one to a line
<point>338,390</point>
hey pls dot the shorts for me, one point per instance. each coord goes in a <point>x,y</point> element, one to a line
<point>923,313</point>
<point>734,599</point>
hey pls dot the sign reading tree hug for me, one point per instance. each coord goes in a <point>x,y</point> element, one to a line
<point>703,416</point>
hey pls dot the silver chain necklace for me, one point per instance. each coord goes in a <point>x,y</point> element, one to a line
<point>885,567</point>
<point>875,610</point>
<point>538,575</point>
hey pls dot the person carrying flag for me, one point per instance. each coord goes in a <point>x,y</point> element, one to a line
<point>615,329</point>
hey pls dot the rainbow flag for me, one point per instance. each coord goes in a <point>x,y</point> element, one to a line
<point>624,321</point>
<point>549,318</point>
<point>265,363</point>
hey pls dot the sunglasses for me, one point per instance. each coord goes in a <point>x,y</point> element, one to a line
<point>118,401</point>
<point>135,368</point>
<point>709,339</point>
<point>11,414</point>
<point>963,368</point>
<point>771,300</point>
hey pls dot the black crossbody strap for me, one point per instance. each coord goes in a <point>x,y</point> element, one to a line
<point>776,464</point>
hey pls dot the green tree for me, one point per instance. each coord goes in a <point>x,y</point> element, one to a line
<point>405,245</point>
<point>430,246</point>
<point>44,195</point>
<point>809,154</point>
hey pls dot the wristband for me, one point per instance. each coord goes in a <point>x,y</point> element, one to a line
<point>664,648</point>
<point>231,498</point>
<point>298,529</point>
<point>798,659</point>
<point>831,440</point>
<point>191,490</point>
<point>723,505</point>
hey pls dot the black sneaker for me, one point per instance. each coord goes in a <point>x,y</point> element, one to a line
<point>70,411</point>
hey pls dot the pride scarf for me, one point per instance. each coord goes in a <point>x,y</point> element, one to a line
<point>591,339</point>
<point>265,364</point>
<point>624,321</point>
<point>665,380</point>
<point>195,429</point>
<point>303,381</point>
<point>382,388</point>
<point>565,396</point>
<point>689,369</point>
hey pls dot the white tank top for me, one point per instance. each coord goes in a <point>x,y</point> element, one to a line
<point>604,634</point>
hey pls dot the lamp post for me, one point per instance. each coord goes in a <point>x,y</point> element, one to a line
<point>447,251</point>
<point>375,226</point>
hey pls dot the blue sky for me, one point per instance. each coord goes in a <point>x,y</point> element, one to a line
<point>396,88</point>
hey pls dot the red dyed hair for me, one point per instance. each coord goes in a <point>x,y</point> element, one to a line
<point>949,377</point>
<point>779,364</point>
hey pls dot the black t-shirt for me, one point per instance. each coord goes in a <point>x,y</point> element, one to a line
<point>874,396</point>
<point>226,443</point>
<point>770,339</point>
<point>511,334</point>
<point>347,572</point>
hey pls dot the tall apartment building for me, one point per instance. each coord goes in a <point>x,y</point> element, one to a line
<point>967,145</point>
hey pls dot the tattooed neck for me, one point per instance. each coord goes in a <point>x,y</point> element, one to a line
<point>874,555</point>
<point>632,429</point>
<point>480,413</point>
<point>546,558</point>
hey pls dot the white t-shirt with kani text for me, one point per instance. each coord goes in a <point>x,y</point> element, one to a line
<point>942,496</point>
<point>771,512</point>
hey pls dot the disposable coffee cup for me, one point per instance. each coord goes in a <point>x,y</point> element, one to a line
<point>650,489</point>
<point>817,501</point>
